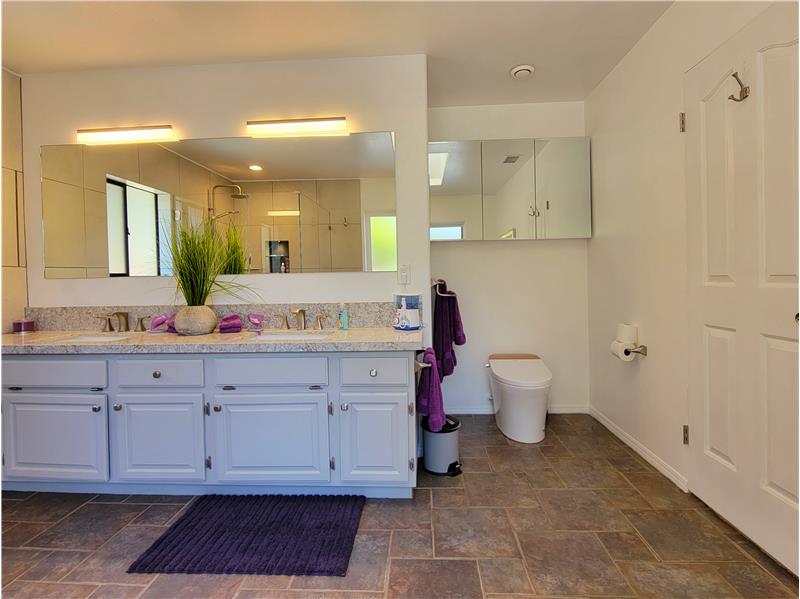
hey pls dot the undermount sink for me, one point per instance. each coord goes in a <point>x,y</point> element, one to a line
<point>292,336</point>
<point>98,338</point>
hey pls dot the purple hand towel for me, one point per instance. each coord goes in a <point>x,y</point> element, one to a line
<point>447,330</point>
<point>231,320</point>
<point>429,393</point>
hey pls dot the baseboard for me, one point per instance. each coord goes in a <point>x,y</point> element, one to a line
<point>650,457</point>
<point>568,409</point>
<point>489,409</point>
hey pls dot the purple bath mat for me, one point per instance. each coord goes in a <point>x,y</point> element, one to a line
<point>307,535</point>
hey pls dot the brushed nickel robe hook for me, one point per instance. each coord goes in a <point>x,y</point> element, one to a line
<point>744,90</point>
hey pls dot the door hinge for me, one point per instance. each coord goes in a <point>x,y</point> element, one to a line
<point>208,462</point>
<point>330,408</point>
<point>207,409</point>
<point>332,463</point>
<point>682,122</point>
<point>686,434</point>
<point>411,408</point>
<point>411,464</point>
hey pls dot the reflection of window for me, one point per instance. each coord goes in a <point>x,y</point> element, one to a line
<point>446,232</point>
<point>133,240</point>
<point>383,243</point>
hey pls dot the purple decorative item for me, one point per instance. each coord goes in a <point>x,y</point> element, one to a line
<point>232,323</point>
<point>256,322</point>
<point>23,326</point>
<point>171,324</point>
<point>303,535</point>
<point>159,320</point>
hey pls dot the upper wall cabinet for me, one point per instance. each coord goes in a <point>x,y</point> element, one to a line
<point>323,204</point>
<point>510,189</point>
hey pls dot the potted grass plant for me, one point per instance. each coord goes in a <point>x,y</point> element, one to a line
<point>200,255</point>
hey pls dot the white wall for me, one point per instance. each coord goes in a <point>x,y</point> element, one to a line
<point>515,295</point>
<point>637,256</point>
<point>375,94</point>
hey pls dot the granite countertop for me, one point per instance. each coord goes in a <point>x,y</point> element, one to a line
<point>273,341</point>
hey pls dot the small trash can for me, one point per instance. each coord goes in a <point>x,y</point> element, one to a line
<point>441,448</point>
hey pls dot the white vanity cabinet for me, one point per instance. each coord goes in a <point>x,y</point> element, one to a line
<point>158,436</point>
<point>55,423</point>
<point>271,436</point>
<point>55,436</point>
<point>211,423</point>
<point>376,412</point>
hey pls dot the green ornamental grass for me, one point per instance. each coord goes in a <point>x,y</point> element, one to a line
<point>199,256</point>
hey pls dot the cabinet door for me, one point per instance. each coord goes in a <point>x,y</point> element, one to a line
<point>158,436</point>
<point>374,437</point>
<point>272,437</point>
<point>55,436</point>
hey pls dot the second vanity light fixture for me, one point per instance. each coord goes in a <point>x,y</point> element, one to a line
<point>313,127</point>
<point>120,135</point>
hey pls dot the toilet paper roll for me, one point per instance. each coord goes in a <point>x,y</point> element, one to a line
<point>618,349</point>
<point>627,333</point>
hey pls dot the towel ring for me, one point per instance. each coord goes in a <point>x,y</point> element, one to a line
<point>435,285</point>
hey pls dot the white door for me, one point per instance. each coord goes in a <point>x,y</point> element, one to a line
<point>742,240</point>
<point>158,436</point>
<point>271,437</point>
<point>55,436</point>
<point>374,437</point>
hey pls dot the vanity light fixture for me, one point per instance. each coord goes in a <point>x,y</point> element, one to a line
<point>121,135</point>
<point>255,167</point>
<point>283,213</point>
<point>314,127</point>
<point>437,162</point>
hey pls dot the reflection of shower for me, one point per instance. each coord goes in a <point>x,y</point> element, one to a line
<point>237,194</point>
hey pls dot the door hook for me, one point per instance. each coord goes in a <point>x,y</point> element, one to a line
<point>744,90</point>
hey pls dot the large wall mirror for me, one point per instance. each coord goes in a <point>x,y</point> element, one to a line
<point>323,204</point>
<point>510,189</point>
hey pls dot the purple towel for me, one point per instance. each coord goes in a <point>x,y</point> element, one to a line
<point>447,330</point>
<point>429,393</point>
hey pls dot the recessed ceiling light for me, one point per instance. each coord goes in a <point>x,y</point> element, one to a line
<point>255,167</point>
<point>521,71</point>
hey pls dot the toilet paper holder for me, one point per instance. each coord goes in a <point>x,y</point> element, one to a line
<point>639,349</point>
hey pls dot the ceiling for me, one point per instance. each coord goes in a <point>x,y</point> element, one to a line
<point>354,156</point>
<point>470,45</point>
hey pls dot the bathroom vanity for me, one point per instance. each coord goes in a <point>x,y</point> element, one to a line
<point>145,413</point>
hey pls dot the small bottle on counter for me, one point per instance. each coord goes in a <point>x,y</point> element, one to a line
<point>344,317</point>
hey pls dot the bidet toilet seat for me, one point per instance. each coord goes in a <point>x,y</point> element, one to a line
<point>528,372</point>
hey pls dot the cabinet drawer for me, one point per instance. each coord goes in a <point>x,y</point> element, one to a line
<point>160,373</point>
<point>54,373</point>
<point>374,371</point>
<point>271,371</point>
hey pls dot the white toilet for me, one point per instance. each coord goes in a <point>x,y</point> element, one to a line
<point>520,385</point>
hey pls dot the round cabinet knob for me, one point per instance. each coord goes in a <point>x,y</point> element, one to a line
<point>117,407</point>
<point>217,408</point>
<point>156,374</point>
<point>345,407</point>
<point>96,408</point>
<point>373,373</point>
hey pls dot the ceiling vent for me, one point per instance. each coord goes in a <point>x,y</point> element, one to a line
<point>510,159</point>
<point>521,71</point>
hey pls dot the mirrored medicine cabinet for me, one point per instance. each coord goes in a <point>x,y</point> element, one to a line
<point>510,189</point>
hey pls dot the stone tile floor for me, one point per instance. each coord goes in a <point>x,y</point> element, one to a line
<point>578,515</point>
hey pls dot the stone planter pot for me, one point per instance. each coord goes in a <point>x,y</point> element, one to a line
<point>195,320</point>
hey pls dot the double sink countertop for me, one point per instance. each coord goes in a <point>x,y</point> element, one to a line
<point>270,341</point>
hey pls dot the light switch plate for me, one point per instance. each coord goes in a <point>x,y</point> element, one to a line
<point>403,273</point>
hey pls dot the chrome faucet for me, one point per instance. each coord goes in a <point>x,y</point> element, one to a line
<point>122,321</point>
<point>300,314</point>
<point>320,320</point>
<point>285,319</point>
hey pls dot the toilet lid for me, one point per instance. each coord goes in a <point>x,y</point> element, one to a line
<point>522,373</point>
